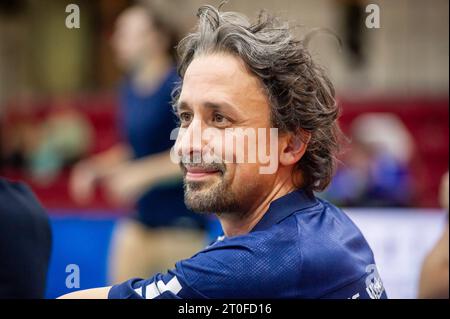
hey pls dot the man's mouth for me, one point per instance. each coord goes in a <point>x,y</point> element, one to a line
<point>196,173</point>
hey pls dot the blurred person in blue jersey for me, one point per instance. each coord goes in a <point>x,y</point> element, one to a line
<point>163,230</point>
<point>375,172</point>
<point>25,242</point>
<point>279,240</point>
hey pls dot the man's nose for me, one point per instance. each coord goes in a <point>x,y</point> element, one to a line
<point>190,139</point>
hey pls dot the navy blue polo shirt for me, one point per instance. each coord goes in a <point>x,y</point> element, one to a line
<point>303,247</point>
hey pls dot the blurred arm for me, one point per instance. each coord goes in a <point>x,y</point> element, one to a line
<point>153,169</point>
<point>87,172</point>
<point>96,293</point>
<point>135,177</point>
<point>435,276</point>
<point>110,158</point>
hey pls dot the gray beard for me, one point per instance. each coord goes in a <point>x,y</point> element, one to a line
<point>217,198</point>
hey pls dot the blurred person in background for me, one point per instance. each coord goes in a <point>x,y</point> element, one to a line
<point>25,242</point>
<point>64,138</point>
<point>375,171</point>
<point>434,281</point>
<point>42,143</point>
<point>163,230</point>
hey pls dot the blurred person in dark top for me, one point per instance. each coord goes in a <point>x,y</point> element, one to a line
<point>163,230</point>
<point>25,242</point>
<point>434,281</point>
<point>375,171</point>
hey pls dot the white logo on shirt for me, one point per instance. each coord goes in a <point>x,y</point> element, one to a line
<point>155,289</point>
<point>374,285</point>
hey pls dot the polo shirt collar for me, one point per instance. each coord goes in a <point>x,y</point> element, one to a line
<point>285,206</point>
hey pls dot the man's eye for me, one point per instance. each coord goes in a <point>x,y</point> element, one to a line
<point>185,117</point>
<point>219,118</point>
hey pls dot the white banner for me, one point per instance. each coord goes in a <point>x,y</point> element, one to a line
<point>400,240</point>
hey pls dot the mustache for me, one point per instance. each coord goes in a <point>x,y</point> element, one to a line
<point>196,161</point>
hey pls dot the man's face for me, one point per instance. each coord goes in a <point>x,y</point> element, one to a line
<point>219,95</point>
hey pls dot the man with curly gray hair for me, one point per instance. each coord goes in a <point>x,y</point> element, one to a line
<point>279,240</point>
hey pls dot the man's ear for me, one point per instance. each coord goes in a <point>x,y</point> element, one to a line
<point>293,147</point>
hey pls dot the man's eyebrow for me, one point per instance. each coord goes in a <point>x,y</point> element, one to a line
<point>217,106</point>
<point>220,106</point>
<point>182,106</point>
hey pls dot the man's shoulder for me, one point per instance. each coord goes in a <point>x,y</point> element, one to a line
<point>245,259</point>
<point>310,240</point>
<point>261,248</point>
<point>329,228</point>
<point>334,252</point>
<point>269,245</point>
<point>306,255</point>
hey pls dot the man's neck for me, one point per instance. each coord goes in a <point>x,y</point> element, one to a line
<point>234,225</point>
